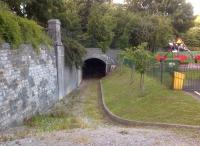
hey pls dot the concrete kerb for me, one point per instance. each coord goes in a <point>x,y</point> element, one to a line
<point>126,122</point>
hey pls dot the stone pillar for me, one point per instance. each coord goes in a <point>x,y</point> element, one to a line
<point>54,31</point>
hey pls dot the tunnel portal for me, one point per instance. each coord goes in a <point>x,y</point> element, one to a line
<point>94,68</point>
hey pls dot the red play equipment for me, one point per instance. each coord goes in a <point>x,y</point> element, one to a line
<point>175,48</point>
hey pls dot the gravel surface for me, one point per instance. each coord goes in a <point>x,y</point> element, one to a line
<point>107,136</point>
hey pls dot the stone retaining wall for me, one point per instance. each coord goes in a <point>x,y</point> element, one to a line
<point>32,82</point>
<point>28,83</point>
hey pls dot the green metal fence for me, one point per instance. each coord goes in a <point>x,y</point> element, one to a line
<point>164,73</point>
<point>161,71</point>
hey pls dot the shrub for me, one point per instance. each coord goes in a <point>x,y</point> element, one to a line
<point>73,52</point>
<point>17,30</point>
<point>181,58</point>
<point>10,30</point>
<point>33,33</point>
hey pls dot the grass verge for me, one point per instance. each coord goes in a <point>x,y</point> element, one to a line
<point>157,104</point>
<point>48,123</point>
<point>91,106</point>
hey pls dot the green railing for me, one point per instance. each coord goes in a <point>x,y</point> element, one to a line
<point>161,71</point>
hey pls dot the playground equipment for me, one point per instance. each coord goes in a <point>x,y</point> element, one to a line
<point>179,46</point>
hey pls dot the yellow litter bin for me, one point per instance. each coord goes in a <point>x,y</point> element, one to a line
<point>178,80</point>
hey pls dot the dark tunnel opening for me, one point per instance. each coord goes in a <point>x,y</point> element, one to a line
<point>94,68</point>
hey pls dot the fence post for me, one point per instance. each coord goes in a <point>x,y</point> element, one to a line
<point>55,33</point>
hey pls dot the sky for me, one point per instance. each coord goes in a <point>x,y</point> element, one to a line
<point>195,3</point>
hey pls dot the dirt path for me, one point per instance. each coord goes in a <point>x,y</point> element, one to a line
<point>101,132</point>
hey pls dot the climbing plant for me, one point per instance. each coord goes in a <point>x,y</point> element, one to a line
<point>74,52</point>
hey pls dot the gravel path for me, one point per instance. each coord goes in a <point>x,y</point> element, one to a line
<point>108,136</point>
<point>105,134</point>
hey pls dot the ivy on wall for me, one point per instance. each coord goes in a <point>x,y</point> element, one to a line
<point>74,52</point>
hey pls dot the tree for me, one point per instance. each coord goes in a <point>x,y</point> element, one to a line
<point>142,58</point>
<point>182,18</point>
<point>156,30</point>
<point>192,36</point>
<point>85,9</point>
<point>18,6</point>
<point>121,38</point>
<point>100,26</point>
<point>180,12</point>
<point>161,32</point>
<point>197,21</point>
<point>136,29</point>
<point>138,58</point>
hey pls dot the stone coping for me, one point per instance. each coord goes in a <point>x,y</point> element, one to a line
<point>126,122</point>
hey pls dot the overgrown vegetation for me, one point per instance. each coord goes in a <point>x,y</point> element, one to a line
<point>91,104</point>
<point>73,52</point>
<point>17,30</point>
<point>157,104</point>
<point>48,123</point>
<point>60,117</point>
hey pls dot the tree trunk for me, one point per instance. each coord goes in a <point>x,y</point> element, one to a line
<point>121,65</point>
<point>132,73</point>
<point>142,83</point>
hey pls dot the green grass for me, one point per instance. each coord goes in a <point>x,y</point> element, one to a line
<point>91,106</point>
<point>60,117</point>
<point>157,104</point>
<point>47,123</point>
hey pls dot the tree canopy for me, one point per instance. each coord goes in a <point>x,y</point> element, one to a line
<point>100,23</point>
